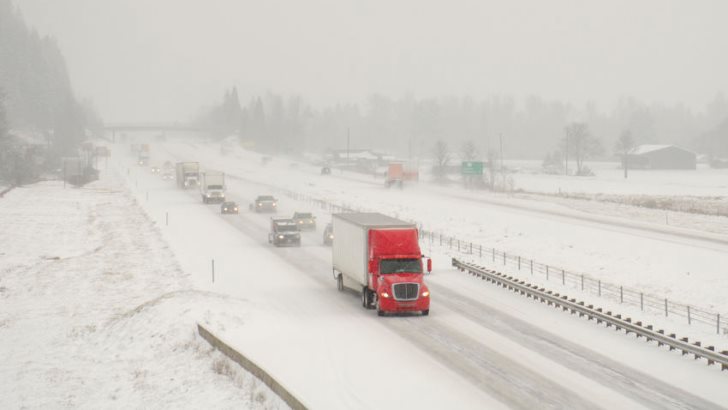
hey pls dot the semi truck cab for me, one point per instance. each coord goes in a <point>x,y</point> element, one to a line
<point>380,257</point>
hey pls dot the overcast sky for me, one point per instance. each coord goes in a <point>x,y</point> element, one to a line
<point>162,59</point>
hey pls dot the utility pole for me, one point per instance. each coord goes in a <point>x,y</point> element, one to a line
<point>500,140</point>
<point>348,140</point>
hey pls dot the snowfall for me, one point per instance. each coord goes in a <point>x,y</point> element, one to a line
<point>102,289</point>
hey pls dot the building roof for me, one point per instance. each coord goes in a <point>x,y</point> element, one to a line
<point>647,148</point>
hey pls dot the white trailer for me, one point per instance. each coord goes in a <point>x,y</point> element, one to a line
<point>351,247</point>
<point>212,186</point>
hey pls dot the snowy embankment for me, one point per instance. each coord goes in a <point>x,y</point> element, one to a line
<point>96,312</point>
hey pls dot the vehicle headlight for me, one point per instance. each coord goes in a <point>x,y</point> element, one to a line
<point>259,204</point>
<point>300,222</point>
<point>425,294</point>
<point>331,236</point>
<point>280,236</point>
<point>385,295</point>
<point>275,204</point>
<point>235,209</point>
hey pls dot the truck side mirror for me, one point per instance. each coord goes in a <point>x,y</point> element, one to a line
<point>372,266</point>
<point>429,265</point>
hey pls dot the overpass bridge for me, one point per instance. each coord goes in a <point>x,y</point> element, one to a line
<point>118,128</point>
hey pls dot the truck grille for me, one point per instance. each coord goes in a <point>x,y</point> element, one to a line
<point>406,291</point>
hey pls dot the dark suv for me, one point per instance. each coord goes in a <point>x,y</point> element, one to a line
<point>305,220</point>
<point>264,203</point>
<point>284,232</point>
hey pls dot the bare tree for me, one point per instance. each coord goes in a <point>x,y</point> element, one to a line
<point>581,144</point>
<point>469,151</point>
<point>624,145</point>
<point>442,158</point>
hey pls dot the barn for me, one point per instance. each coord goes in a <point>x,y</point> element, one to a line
<point>661,157</point>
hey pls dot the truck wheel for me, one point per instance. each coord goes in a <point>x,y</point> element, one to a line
<point>426,312</point>
<point>364,298</point>
<point>380,312</point>
<point>340,283</point>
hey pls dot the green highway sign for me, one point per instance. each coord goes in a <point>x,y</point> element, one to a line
<point>472,168</point>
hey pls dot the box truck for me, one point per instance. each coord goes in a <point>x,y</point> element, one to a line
<point>212,186</point>
<point>188,174</point>
<point>379,256</point>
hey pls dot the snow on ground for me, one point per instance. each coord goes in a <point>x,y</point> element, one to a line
<point>608,178</point>
<point>319,343</point>
<point>96,313</point>
<point>683,269</point>
<point>333,332</point>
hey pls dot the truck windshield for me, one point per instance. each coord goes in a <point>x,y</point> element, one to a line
<point>400,266</point>
<point>214,187</point>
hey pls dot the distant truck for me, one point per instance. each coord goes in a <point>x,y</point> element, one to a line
<point>212,187</point>
<point>188,174</point>
<point>398,173</point>
<point>380,257</point>
<point>143,156</point>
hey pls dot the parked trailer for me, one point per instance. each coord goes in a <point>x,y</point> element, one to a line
<point>380,257</point>
<point>212,186</point>
<point>188,174</point>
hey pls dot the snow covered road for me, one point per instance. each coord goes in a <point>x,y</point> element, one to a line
<point>459,335</point>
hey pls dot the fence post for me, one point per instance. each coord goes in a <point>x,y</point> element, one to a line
<point>451,242</point>
<point>504,258</point>
<point>213,271</point>
<point>599,284</point>
<point>582,282</point>
<point>547,272</point>
<point>689,315</point>
<point>458,245</point>
<point>563,277</point>
<point>493,255</point>
<point>717,323</point>
<point>531,267</point>
<point>621,295</point>
<point>642,301</point>
<point>471,248</point>
<point>519,263</point>
<point>480,250</point>
<point>440,239</point>
<point>665,307</point>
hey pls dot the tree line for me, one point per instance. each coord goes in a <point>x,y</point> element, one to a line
<point>410,127</point>
<point>42,120</point>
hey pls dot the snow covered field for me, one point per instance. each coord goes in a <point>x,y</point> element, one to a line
<point>96,312</point>
<point>609,178</point>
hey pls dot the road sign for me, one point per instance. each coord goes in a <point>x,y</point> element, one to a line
<point>472,168</point>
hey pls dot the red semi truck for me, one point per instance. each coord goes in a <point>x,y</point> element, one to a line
<point>380,257</point>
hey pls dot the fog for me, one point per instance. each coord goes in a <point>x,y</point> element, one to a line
<point>161,60</point>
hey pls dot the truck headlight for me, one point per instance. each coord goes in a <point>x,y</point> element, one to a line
<point>425,294</point>
<point>280,236</point>
<point>385,295</point>
<point>275,204</point>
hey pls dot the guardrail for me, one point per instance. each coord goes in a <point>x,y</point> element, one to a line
<point>251,367</point>
<point>591,313</point>
<point>582,282</point>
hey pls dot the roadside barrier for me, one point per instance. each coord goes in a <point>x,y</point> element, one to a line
<point>619,323</point>
<point>251,367</point>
